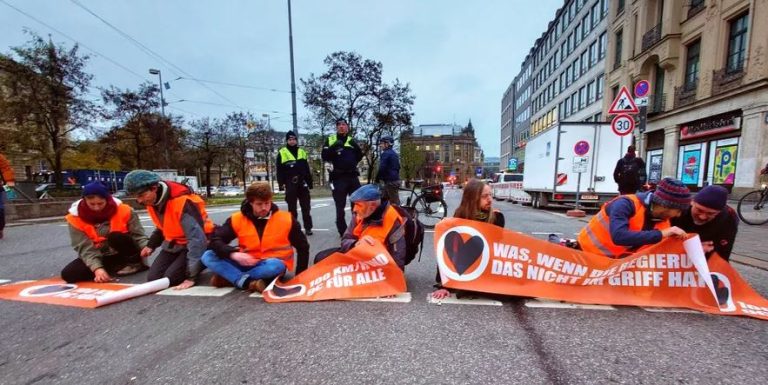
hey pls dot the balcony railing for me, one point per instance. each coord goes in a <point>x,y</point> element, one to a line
<point>695,9</point>
<point>657,103</point>
<point>723,80</point>
<point>685,95</point>
<point>651,37</point>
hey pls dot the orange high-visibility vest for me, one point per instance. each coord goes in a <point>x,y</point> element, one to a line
<point>174,207</point>
<point>596,236</point>
<point>379,233</point>
<point>274,242</point>
<point>117,224</point>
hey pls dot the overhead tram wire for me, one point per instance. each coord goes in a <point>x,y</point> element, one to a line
<point>153,54</point>
<point>233,84</point>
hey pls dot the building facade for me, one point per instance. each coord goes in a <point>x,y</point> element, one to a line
<point>451,151</point>
<point>707,65</point>
<point>562,77</point>
<point>507,123</point>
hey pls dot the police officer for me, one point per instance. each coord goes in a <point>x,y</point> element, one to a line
<point>389,170</point>
<point>294,177</point>
<point>341,150</point>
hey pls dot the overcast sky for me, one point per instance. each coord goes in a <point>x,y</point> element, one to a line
<point>458,56</point>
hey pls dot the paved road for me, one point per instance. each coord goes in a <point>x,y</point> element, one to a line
<point>240,340</point>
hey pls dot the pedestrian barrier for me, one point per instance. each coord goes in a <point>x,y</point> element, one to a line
<point>510,191</point>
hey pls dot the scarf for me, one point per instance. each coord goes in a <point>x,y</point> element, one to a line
<point>96,217</point>
<point>482,216</point>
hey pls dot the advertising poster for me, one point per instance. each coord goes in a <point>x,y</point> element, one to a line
<point>725,164</point>
<point>654,174</point>
<point>691,166</point>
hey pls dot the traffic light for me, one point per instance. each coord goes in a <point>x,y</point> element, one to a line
<point>438,168</point>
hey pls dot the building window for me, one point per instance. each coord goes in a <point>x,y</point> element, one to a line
<point>617,54</point>
<point>577,36</point>
<point>737,44</point>
<point>584,61</point>
<point>457,148</point>
<point>437,147</point>
<point>692,65</point>
<point>585,27</point>
<point>619,6</point>
<point>575,74</point>
<point>591,92</point>
<point>603,44</point>
<point>582,97</point>
<point>597,117</point>
<point>428,147</point>
<point>575,102</point>
<point>600,83</point>
<point>604,7</point>
<point>567,103</point>
<point>418,148</point>
<point>593,53</point>
<point>595,15</point>
<point>572,10</point>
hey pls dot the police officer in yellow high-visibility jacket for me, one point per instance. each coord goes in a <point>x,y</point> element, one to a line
<point>294,176</point>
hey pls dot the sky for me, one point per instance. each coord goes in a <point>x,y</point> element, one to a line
<point>458,56</point>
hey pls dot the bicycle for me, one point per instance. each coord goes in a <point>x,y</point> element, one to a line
<point>753,207</point>
<point>428,205</point>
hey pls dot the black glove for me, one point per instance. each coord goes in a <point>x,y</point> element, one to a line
<point>281,188</point>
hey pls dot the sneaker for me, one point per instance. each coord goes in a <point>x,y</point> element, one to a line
<point>257,285</point>
<point>309,231</point>
<point>219,281</point>
<point>131,268</point>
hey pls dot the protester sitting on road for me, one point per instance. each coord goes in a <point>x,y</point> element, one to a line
<point>389,171</point>
<point>106,235</point>
<point>475,204</point>
<point>711,218</point>
<point>372,218</point>
<point>266,238</point>
<point>6,178</point>
<point>182,226</point>
<point>629,222</point>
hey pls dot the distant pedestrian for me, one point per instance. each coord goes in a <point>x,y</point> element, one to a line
<point>7,178</point>
<point>295,178</point>
<point>389,170</point>
<point>630,173</point>
<point>343,152</point>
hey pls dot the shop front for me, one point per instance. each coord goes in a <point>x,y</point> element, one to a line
<point>709,150</point>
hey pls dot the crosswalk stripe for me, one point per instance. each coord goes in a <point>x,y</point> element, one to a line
<point>198,291</point>
<point>4,281</point>
<point>399,298</point>
<point>452,300</point>
<point>670,310</point>
<point>549,304</point>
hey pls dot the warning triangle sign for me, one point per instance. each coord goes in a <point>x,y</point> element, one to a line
<point>623,104</point>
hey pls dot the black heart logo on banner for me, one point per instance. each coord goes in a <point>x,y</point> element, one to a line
<point>463,254</point>
<point>279,292</point>
<point>722,291</point>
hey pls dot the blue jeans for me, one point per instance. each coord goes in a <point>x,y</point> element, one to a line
<point>240,275</point>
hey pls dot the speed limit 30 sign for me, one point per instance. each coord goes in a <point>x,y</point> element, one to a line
<point>622,124</point>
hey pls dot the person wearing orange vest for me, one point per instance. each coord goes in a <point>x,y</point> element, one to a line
<point>372,218</point>
<point>266,238</point>
<point>6,178</point>
<point>181,230</point>
<point>107,236</point>
<point>630,222</point>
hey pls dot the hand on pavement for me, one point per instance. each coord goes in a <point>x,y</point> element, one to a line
<point>101,276</point>
<point>185,285</point>
<point>440,294</point>
<point>146,252</point>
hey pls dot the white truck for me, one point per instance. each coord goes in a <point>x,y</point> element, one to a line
<point>508,186</point>
<point>553,157</point>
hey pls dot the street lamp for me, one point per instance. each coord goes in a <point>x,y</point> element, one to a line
<point>166,153</point>
<point>269,121</point>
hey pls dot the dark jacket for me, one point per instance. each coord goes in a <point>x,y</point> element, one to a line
<point>299,168</point>
<point>629,183</point>
<point>389,166</point>
<point>619,211</point>
<point>225,234</point>
<point>344,158</point>
<point>721,230</point>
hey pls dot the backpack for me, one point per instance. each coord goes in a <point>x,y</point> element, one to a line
<point>414,234</point>
<point>630,170</point>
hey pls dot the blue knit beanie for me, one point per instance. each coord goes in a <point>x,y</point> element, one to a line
<point>139,180</point>
<point>96,188</point>
<point>369,192</point>
<point>672,193</point>
<point>713,196</point>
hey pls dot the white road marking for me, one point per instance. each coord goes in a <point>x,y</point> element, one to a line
<point>543,233</point>
<point>198,291</point>
<point>550,304</point>
<point>670,310</point>
<point>452,300</point>
<point>4,281</point>
<point>399,298</point>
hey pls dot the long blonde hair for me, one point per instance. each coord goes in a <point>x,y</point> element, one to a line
<point>470,202</point>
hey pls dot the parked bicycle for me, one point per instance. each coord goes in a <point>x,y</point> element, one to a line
<point>428,205</point>
<point>753,207</point>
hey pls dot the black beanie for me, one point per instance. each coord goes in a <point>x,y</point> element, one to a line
<point>289,134</point>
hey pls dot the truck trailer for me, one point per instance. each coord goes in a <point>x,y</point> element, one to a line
<point>550,176</point>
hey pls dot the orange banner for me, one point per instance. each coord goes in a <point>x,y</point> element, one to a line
<point>480,257</point>
<point>365,271</point>
<point>55,291</point>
